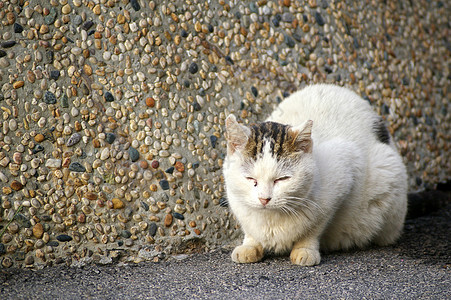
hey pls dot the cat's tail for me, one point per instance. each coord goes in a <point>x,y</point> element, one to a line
<point>426,202</point>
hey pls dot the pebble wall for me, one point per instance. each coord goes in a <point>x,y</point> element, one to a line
<point>112,111</point>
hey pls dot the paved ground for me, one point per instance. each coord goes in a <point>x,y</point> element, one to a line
<point>418,267</point>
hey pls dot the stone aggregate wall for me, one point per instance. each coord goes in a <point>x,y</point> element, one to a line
<point>112,111</point>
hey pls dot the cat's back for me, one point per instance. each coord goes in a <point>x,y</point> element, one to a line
<point>335,111</point>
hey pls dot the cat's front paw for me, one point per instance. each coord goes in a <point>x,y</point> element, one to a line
<point>247,254</point>
<point>305,257</point>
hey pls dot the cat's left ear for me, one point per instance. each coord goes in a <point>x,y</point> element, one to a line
<point>237,135</point>
<point>302,136</point>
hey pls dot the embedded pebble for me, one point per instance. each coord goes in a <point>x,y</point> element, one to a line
<point>134,154</point>
<point>77,167</point>
<point>117,203</point>
<point>53,163</point>
<point>193,68</point>
<point>109,97</point>
<point>168,220</point>
<point>153,229</point>
<point>64,238</point>
<point>178,216</point>
<point>16,185</point>
<point>74,139</point>
<point>49,98</point>
<point>38,230</point>
<point>164,184</point>
<point>110,137</point>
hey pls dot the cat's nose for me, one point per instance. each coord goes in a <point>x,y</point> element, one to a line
<point>264,201</point>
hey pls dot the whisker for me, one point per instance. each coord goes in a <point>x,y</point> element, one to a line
<point>304,201</point>
<point>294,213</point>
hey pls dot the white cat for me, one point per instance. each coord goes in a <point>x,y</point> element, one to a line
<point>321,173</point>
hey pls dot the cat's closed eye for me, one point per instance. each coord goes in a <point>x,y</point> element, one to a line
<point>254,181</point>
<point>283,178</point>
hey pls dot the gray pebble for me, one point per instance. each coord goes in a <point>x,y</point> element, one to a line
<point>49,98</point>
<point>77,167</point>
<point>74,139</point>
<point>134,154</point>
<point>77,20</point>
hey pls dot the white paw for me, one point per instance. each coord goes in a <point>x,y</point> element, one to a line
<point>247,254</point>
<point>305,257</point>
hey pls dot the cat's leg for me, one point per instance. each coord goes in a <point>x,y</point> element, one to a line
<point>250,251</point>
<point>306,252</point>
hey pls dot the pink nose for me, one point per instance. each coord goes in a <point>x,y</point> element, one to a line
<point>264,201</point>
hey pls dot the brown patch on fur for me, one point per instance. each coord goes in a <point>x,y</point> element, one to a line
<point>284,142</point>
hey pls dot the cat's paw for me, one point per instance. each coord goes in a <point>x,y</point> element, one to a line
<point>305,257</point>
<point>247,254</point>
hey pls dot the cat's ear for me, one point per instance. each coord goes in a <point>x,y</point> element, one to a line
<point>237,135</point>
<point>302,136</point>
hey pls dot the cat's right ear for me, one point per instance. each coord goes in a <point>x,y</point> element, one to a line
<point>237,135</point>
<point>302,136</point>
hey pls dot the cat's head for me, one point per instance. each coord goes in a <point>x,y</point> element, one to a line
<point>268,164</point>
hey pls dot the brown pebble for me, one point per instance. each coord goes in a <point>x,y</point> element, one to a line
<point>77,126</point>
<point>109,203</point>
<point>66,162</point>
<point>150,102</point>
<point>117,203</point>
<point>168,220</point>
<point>197,231</point>
<point>29,260</point>
<point>38,230</point>
<point>87,69</point>
<point>179,166</point>
<point>6,204</point>
<point>7,262</point>
<point>100,203</point>
<point>81,218</point>
<point>120,19</point>
<point>90,196</point>
<point>39,137</point>
<point>153,187</point>
<point>6,190</point>
<point>144,164</point>
<point>96,10</point>
<point>155,164</point>
<point>96,143</point>
<point>17,157</point>
<point>11,18</point>
<point>30,76</point>
<point>40,254</point>
<point>16,185</point>
<point>192,224</point>
<point>66,9</point>
<point>18,84</point>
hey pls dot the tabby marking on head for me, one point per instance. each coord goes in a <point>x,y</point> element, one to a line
<point>283,140</point>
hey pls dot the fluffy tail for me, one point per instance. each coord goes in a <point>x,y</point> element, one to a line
<point>423,203</point>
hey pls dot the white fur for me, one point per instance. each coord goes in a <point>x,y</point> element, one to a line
<point>353,188</point>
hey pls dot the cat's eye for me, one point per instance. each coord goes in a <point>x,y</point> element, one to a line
<point>283,178</point>
<point>254,181</point>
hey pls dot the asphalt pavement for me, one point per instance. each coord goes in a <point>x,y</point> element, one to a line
<point>417,267</point>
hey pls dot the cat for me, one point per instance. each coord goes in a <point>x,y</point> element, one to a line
<point>321,173</point>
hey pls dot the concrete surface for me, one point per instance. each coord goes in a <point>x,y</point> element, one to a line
<point>417,267</point>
